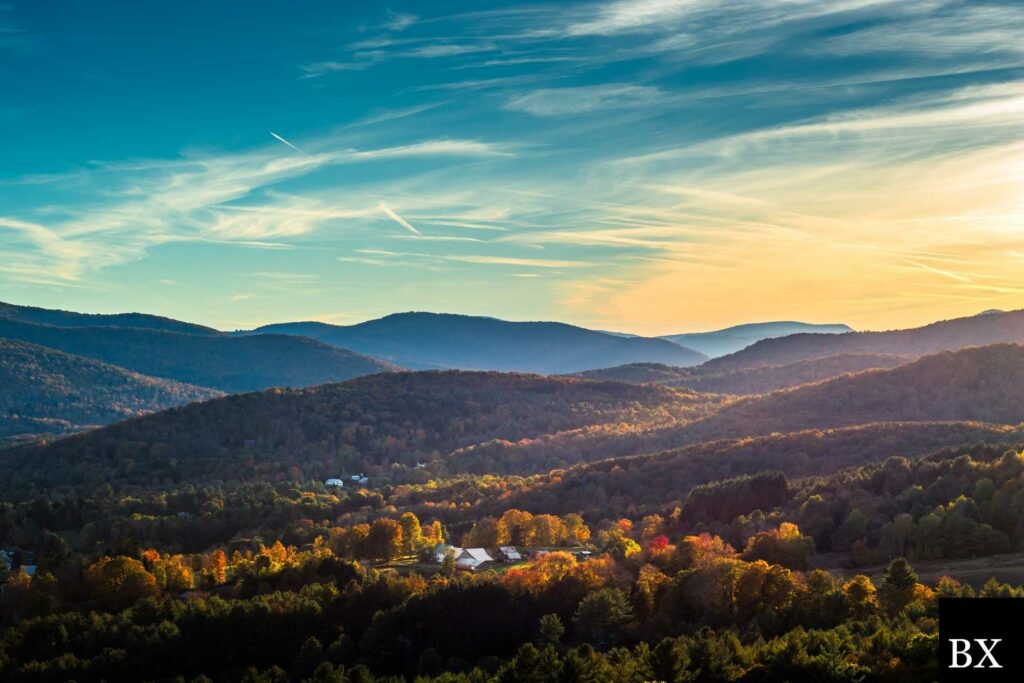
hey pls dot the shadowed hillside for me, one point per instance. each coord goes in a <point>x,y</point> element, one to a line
<point>629,485</point>
<point>985,384</point>
<point>371,422</point>
<point>44,316</point>
<point>47,391</point>
<point>433,340</point>
<point>757,380</point>
<point>219,361</point>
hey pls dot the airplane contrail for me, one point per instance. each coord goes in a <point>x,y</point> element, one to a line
<point>398,219</point>
<point>278,137</point>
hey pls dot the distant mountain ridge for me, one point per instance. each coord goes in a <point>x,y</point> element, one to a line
<point>58,318</point>
<point>441,341</point>
<point>732,339</point>
<point>218,361</point>
<point>51,392</point>
<point>991,327</point>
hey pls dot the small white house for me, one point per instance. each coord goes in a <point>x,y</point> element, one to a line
<point>472,559</point>
<point>441,551</point>
<point>334,482</point>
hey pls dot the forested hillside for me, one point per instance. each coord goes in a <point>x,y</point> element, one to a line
<point>949,335</point>
<point>970,505</point>
<point>218,361</point>
<point>758,380</point>
<point>368,424</point>
<point>984,384</point>
<point>645,483</point>
<point>37,384</point>
<point>435,340</point>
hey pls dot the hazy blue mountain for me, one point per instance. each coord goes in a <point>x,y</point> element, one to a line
<point>44,391</point>
<point>220,361</point>
<point>435,340</point>
<point>732,339</point>
<point>45,316</point>
<point>948,335</point>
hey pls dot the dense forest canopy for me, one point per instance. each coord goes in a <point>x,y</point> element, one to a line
<point>368,424</point>
<point>712,589</point>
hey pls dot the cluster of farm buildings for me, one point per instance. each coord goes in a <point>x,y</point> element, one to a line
<point>475,559</point>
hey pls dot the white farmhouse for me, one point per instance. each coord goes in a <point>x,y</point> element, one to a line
<point>509,554</point>
<point>472,559</point>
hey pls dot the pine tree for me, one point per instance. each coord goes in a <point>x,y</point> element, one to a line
<point>550,631</point>
<point>898,586</point>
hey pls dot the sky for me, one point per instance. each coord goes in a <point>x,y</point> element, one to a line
<point>650,166</point>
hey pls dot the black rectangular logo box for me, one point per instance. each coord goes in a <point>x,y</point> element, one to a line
<point>981,639</point>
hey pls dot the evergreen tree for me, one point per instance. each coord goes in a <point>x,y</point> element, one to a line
<point>601,616</point>
<point>550,630</point>
<point>898,586</point>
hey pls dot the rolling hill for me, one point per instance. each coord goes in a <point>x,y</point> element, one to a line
<point>441,341</point>
<point>43,391</point>
<point>45,316</point>
<point>984,384</point>
<point>367,424</point>
<point>219,361</point>
<point>993,327</point>
<point>757,380</point>
<point>732,339</point>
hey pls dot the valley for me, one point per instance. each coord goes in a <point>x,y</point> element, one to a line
<point>643,482</point>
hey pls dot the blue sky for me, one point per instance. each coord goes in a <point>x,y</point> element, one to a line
<point>653,166</point>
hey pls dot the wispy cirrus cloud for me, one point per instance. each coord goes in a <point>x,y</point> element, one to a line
<point>446,50</point>
<point>318,69</point>
<point>389,257</point>
<point>983,32</point>
<point>584,99</point>
<point>205,198</point>
<point>625,16</point>
<point>674,160</point>
<point>399,21</point>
